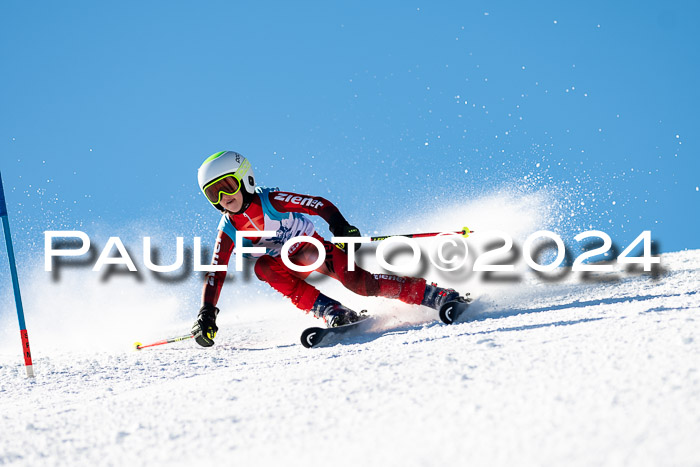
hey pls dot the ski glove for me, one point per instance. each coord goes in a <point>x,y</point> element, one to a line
<point>346,230</point>
<point>204,329</point>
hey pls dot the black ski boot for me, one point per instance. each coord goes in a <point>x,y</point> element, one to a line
<point>332,312</point>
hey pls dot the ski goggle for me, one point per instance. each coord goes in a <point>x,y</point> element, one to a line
<point>229,184</point>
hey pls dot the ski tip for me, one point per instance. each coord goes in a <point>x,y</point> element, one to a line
<point>445,314</point>
<point>137,345</point>
<point>310,337</point>
<point>451,311</point>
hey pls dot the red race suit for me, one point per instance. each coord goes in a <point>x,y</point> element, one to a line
<point>284,213</point>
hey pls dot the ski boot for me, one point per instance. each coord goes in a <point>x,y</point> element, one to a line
<point>332,312</point>
<point>435,297</point>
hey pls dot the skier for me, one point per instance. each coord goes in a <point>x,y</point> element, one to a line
<point>226,179</point>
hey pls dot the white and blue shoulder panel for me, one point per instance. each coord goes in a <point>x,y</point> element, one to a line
<point>286,225</point>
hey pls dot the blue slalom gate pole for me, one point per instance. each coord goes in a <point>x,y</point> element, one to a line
<point>15,284</point>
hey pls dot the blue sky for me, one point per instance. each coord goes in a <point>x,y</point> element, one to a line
<point>109,108</point>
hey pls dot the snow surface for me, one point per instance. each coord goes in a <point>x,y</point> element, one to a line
<point>542,373</point>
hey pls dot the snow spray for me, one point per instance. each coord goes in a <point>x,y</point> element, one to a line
<point>15,284</point>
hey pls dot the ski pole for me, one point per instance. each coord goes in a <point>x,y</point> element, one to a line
<point>139,345</point>
<point>15,285</point>
<point>464,233</point>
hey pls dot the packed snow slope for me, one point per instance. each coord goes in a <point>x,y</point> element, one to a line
<point>597,372</point>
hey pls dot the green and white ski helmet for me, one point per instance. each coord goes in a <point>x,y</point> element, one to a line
<point>219,174</point>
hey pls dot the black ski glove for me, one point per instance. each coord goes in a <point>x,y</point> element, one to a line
<point>204,329</point>
<point>341,228</point>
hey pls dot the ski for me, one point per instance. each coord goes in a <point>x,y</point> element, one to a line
<point>315,337</point>
<point>451,311</point>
